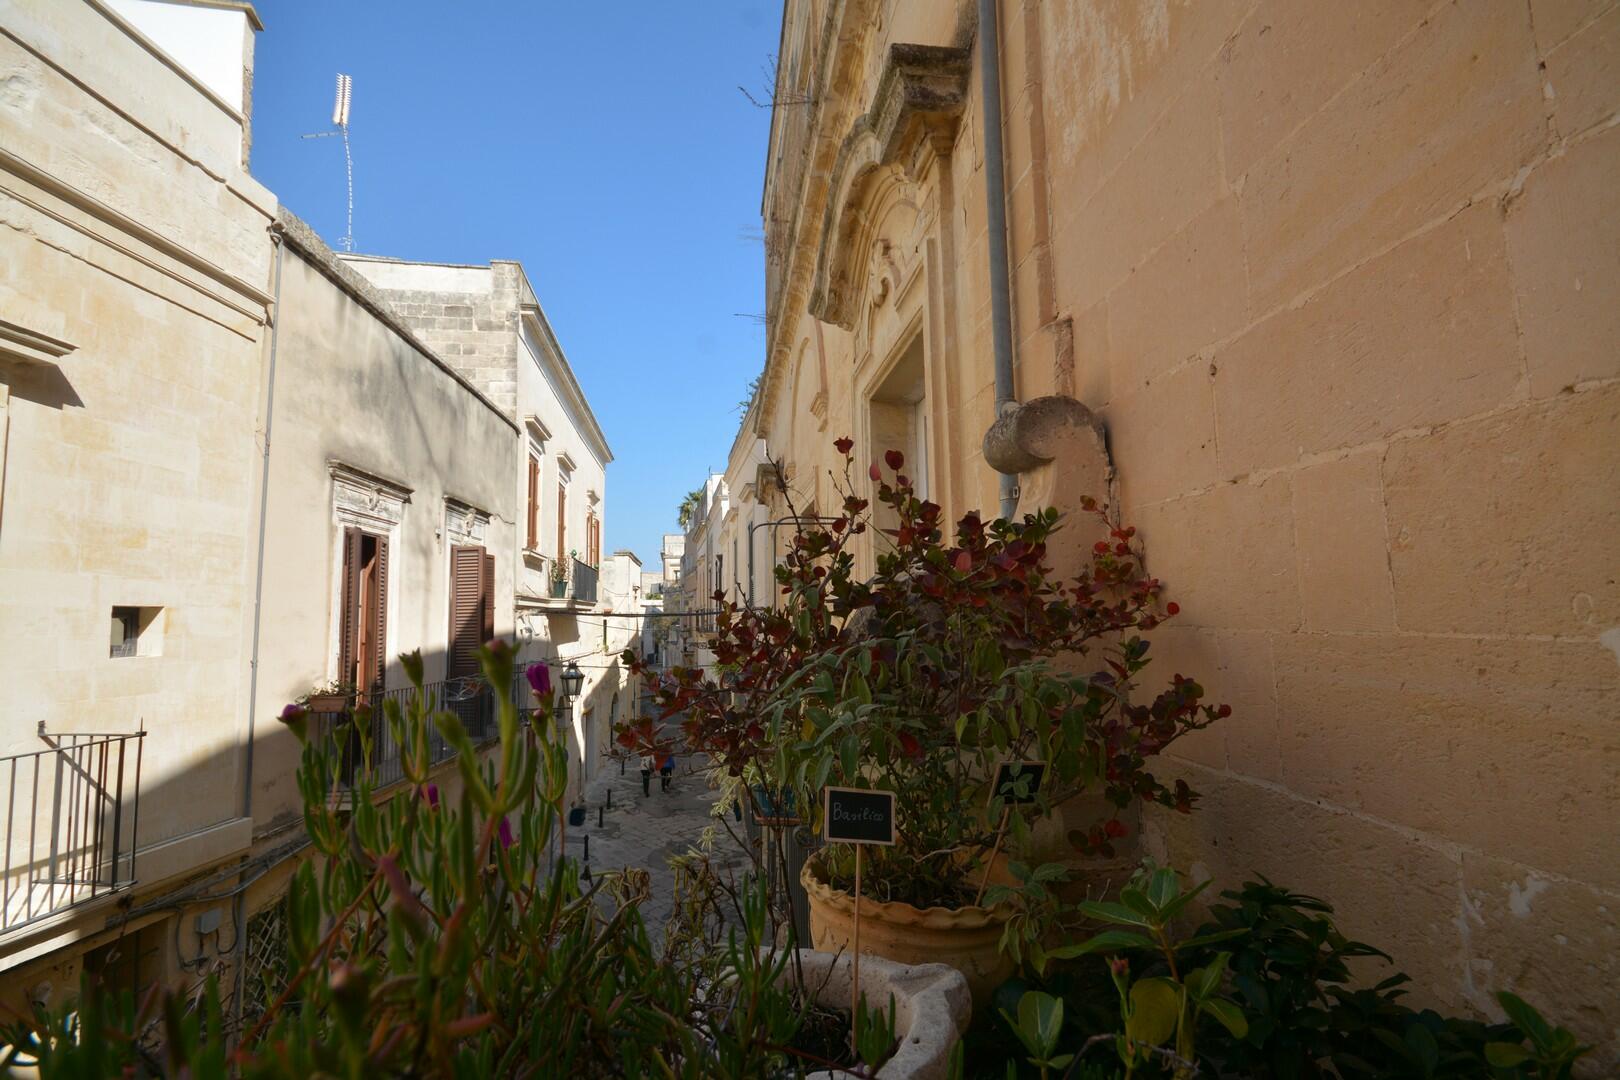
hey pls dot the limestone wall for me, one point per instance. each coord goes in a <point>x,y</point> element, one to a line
<point>1342,281</point>
<point>133,269</point>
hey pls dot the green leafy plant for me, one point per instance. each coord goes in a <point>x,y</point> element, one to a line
<point>923,676</point>
<point>1292,971</point>
<point>1039,1026</point>
<point>432,935</point>
<point>1164,1007</point>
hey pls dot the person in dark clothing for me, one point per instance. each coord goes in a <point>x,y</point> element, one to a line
<point>646,775</point>
<point>666,771</point>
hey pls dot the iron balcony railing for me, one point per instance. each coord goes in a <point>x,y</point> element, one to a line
<point>471,699</point>
<point>585,576</point>
<point>72,820</point>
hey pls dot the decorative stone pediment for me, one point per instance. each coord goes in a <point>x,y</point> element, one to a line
<point>464,523</point>
<point>366,500</point>
<point>913,117</point>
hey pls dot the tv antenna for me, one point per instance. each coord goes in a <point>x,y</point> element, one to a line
<point>340,124</point>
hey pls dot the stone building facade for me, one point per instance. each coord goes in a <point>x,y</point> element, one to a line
<point>487,323</point>
<point>1338,286</point>
<point>230,471</point>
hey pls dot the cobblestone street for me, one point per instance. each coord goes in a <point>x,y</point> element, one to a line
<point>645,831</point>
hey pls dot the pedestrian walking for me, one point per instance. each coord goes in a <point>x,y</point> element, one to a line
<point>646,775</point>
<point>666,772</point>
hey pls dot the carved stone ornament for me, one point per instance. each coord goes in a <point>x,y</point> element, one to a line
<point>358,497</point>
<point>913,115</point>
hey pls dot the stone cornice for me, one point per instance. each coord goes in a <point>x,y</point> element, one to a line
<point>916,108</point>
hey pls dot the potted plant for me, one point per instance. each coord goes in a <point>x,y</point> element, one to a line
<point>332,696</point>
<point>559,578</point>
<point>922,679</point>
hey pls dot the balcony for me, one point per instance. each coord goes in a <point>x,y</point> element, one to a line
<point>471,699</point>
<point>584,582</point>
<point>72,811</point>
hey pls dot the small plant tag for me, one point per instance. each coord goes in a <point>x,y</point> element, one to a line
<point>857,816</point>
<point>1018,782</point>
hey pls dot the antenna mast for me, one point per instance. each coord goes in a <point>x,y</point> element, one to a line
<point>340,121</point>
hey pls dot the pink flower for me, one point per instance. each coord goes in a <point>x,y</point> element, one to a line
<point>505,833</point>
<point>293,713</point>
<point>539,676</point>
<point>431,794</point>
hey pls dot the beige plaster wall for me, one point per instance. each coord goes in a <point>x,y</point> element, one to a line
<point>1342,281</point>
<point>351,390</point>
<point>129,232</point>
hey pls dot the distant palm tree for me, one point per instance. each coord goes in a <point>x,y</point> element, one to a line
<point>689,507</point>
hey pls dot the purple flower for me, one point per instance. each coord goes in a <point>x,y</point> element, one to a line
<point>293,713</point>
<point>431,794</point>
<point>505,833</point>
<point>539,676</point>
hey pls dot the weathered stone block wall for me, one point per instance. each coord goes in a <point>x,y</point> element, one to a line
<point>470,320</point>
<point>1343,281</point>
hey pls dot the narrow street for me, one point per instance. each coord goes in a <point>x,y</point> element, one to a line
<point>643,832</point>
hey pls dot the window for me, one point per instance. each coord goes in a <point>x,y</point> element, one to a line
<point>562,517</point>
<point>593,539</point>
<point>532,542</point>
<point>131,962</point>
<point>472,607</point>
<point>363,618</point>
<point>136,631</point>
<point>900,416</point>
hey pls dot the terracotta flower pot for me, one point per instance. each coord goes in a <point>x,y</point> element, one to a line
<point>328,703</point>
<point>966,938</point>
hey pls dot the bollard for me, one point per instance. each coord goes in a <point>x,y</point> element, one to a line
<point>587,847</point>
<point>586,874</point>
<point>610,798</point>
<point>621,771</point>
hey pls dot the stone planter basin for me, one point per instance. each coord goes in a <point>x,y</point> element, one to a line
<point>932,1006</point>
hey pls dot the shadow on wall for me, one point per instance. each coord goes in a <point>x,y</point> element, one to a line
<point>42,384</point>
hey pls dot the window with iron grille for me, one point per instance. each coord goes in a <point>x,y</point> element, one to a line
<point>265,959</point>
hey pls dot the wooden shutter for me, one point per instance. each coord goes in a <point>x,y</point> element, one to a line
<point>379,620</point>
<point>534,503</point>
<point>348,609</point>
<point>466,589</point>
<point>486,600</point>
<point>562,524</point>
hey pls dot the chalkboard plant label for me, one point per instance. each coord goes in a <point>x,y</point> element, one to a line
<point>1018,782</point>
<point>858,816</point>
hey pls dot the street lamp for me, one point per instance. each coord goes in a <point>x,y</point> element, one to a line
<point>573,681</point>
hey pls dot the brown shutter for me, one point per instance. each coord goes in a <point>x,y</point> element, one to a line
<point>348,610</point>
<point>534,503</point>
<point>562,524</point>
<point>380,622</point>
<point>466,588</point>
<point>486,599</point>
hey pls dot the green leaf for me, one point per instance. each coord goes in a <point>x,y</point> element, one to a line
<point>1107,941</point>
<point>1526,1019</point>
<point>1163,887</point>
<point>1212,938</point>
<point>1420,1040</point>
<point>1228,1015</point>
<point>1040,1022</point>
<point>1506,1055</point>
<point>1155,1010</point>
<point>1204,982</point>
<point>1114,913</point>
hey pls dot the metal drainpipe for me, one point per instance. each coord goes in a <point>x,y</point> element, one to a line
<point>240,906</point>
<point>995,182</point>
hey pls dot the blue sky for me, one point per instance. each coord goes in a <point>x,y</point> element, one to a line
<point>606,147</point>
